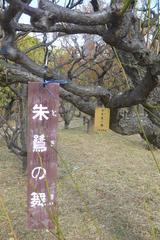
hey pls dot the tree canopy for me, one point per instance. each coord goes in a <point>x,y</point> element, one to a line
<point>128,30</point>
<point>116,23</point>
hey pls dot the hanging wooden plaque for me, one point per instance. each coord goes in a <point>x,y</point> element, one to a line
<point>43,105</point>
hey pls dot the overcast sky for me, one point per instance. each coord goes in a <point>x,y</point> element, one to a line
<point>25,18</point>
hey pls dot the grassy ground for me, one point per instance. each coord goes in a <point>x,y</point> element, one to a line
<point>116,195</point>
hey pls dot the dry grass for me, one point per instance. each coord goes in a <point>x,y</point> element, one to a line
<point>110,192</point>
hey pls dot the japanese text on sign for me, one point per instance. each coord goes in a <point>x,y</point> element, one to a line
<point>41,154</point>
<point>102,118</point>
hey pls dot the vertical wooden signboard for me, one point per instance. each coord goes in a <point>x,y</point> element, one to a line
<point>102,119</point>
<point>43,104</point>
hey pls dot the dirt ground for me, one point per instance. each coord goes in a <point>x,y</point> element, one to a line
<point>108,189</point>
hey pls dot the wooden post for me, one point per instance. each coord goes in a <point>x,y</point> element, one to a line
<point>43,104</point>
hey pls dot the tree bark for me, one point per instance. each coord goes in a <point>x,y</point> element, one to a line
<point>23,125</point>
<point>126,122</point>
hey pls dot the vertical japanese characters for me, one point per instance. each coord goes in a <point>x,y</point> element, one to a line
<point>43,103</point>
<point>102,119</point>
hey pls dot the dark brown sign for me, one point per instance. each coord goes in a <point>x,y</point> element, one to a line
<point>43,105</point>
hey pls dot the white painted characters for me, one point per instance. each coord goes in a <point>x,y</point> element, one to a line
<point>54,113</point>
<point>40,112</point>
<point>39,143</point>
<point>38,173</point>
<point>38,200</point>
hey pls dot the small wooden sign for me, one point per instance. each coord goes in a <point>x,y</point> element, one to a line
<point>102,119</point>
<point>43,105</point>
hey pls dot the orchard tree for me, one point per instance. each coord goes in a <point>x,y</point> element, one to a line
<point>67,112</point>
<point>129,29</point>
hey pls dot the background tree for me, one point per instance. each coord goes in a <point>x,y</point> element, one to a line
<point>66,111</point>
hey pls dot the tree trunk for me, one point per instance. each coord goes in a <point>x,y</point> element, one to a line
<point>66,124</point>
<point>23,125</point>
<point>90,125</point>
<point>126,122</point>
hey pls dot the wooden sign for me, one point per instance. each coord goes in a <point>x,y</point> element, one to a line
<point>102,119</point>
<point>43,104</point>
